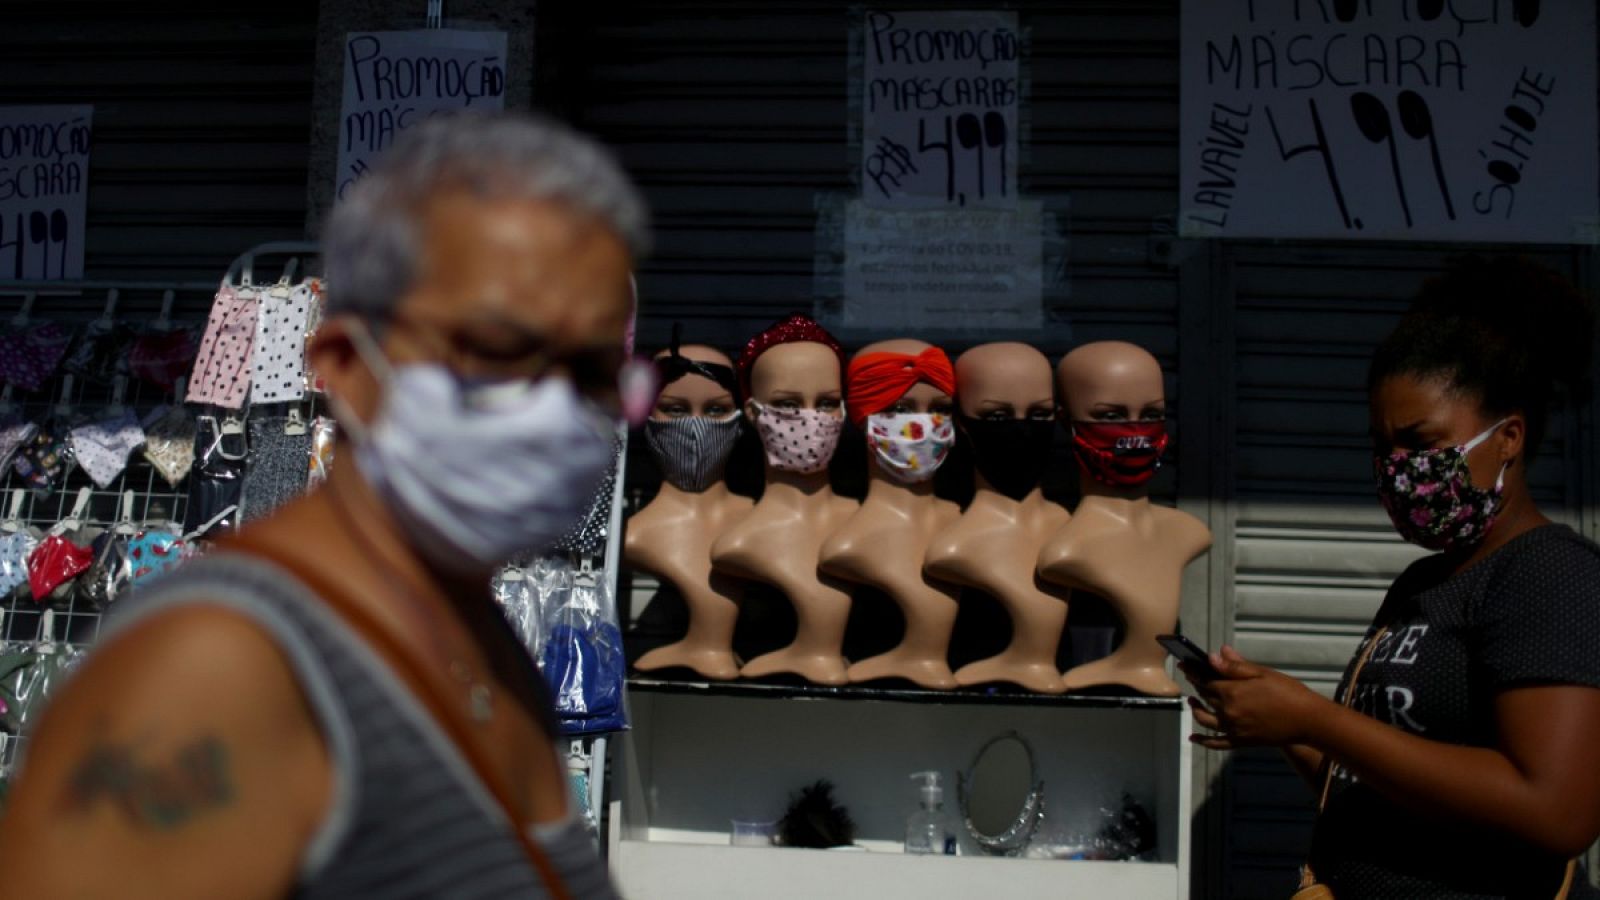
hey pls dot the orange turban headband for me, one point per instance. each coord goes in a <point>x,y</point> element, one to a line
<point>876,380</point>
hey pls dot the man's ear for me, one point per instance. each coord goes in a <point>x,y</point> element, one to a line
<point>332,355</point>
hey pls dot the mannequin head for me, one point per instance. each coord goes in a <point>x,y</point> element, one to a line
<point>899,395</point>
<point>800,375</point>
<point>1111,381</point>
<point>1008,412</point>
<point>791,378</point>
<point>1005,381</point>
<point>693,394</point>
<point>1114,405</point>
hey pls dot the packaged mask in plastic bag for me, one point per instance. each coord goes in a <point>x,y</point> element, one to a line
<point>109,574</point>
<point>519,601</point>
<point>582,656</point>
<point>28,675</point>
<point>15,548</point>
<point>216,483</point>
<point>54,564</point>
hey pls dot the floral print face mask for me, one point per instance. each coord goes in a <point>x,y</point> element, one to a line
<point>1431,499</point>
<point>910,447</point>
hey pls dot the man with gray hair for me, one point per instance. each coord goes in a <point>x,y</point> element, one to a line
<point>331,705</point>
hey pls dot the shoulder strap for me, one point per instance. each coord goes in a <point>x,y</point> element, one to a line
<point>435,693</point>
<point>1349,700</point>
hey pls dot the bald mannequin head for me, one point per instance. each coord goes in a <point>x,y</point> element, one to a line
<point>694,395</point>
<point>1004,380</point>
<point>802,375</point>
<point>1111,380</point>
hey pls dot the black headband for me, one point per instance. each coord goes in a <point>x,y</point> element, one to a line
<point>675,365</point>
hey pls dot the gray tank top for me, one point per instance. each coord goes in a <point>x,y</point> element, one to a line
<point>409,818</point>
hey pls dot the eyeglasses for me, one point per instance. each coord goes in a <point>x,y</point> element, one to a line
<point>510,354</point>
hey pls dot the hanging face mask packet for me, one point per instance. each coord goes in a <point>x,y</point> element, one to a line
<point>53,564</point>
<point>582,660</point>
<point>1119,454</point>
<point>1430,497</point>
<point>799,440</point>
<point>589,534</point>
<point>42,461</point>
<point>109,574</point>
<point>278,467</point>
<point>169,437</point>
<point>519,602</point>
<point>30,356</point>
<point>152,553</point>
<point>100,354</point>
<point>223,366</point>
<point>324,434</point>
<point>15,549</point>
<point>693,451</point>
<point>910,447</point>
<point>14,433</point>
<point>1011,454</point>
<point>278,360</point>
<point>29,673</point>
<point>162,357</point>
<point>217,480</point>
<point>102,448</point>
<point>478,474</point>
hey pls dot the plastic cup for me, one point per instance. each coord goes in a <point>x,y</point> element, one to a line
<point>752,833</point>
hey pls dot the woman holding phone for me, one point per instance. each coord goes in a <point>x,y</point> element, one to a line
<point>1461,755</point>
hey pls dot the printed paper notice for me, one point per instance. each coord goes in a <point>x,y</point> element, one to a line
<point>971,270</point>
<point>1460,121</point>
<point>44,191</point>
<point>939,126</point>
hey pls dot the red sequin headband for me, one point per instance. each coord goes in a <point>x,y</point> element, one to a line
<point>793,330</point>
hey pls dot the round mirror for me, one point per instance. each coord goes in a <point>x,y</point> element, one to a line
<point>1001,795</point>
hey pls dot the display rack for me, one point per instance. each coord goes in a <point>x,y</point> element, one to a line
<point>703,753</point>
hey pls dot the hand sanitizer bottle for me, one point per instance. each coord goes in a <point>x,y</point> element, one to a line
<point>929,830</point>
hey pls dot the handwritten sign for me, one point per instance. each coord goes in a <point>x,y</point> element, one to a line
<point>1470,120</point>
<point>961,269</point>
<point>394,79</point>
<point>44,190</point>
<point>939,115</point>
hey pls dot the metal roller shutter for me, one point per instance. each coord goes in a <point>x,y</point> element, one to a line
<point>202,113</point>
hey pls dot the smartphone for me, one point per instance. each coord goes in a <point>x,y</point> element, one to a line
<point>1187,651</point>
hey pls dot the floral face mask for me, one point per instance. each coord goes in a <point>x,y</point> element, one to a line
<point>799,440</point>
<point>910,447</point>
<point>1431,499</point>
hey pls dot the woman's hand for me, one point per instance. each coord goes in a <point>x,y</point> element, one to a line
<point>1249,705</point>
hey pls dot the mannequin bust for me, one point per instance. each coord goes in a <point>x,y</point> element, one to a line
<point>883,544</point>
<point>1008,408</point>
<point>793,381</point>
<point>672,536</point>
<point>1118,544</point>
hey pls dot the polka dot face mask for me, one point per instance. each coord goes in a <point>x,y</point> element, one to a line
<point>798,440</point>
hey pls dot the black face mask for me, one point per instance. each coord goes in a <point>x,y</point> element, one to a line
<point>1010,454</point>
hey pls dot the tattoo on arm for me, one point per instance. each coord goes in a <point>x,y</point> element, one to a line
<point>153,794</point>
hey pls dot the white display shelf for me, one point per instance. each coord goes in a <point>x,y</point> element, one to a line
<point>700,755</point>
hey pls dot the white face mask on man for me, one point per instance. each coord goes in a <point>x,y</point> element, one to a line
<point>477,475</point>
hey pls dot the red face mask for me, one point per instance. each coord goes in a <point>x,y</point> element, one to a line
<point>1120,454</point>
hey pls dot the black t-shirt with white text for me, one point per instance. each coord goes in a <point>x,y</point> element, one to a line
<point>1528,614</point>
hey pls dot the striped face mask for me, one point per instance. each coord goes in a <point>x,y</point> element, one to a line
<point>694,450</point>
